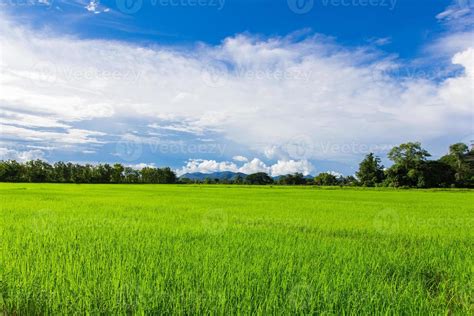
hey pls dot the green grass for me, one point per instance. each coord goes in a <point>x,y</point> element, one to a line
<point>121,249</point>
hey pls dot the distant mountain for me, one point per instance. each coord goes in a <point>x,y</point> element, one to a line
<point>225,175</point>
<point>308,177</point>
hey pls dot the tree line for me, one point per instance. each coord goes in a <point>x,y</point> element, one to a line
<point>411,169</point>
<point>60,172</point>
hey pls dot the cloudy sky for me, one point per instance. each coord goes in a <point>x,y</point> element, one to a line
<point>279,86</point>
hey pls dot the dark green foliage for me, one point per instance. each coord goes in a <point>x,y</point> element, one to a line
<point>411,169</point>
<point>407,170</point>
<point>326,179</point>
<point>292,179</point>
<point>60,172</point>
<point>370,171</point>
<point>461,160</point>
<point>259,178</point>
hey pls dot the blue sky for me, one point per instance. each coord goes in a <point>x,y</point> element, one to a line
<point>214,85</point>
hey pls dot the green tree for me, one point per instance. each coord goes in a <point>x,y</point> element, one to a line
<point>131,175</point>
<point>38,171</point>
<point>408,161</point>
<point>117,173</point>
<point>259,178</point>
<point>408,155</point>
<point>292,179</point>
<point>326,178</point>
<point>459,159</point>
<point>370,171</point>
<point>12,171</point>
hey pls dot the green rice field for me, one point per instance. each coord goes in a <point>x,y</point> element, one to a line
<point>169,249</point>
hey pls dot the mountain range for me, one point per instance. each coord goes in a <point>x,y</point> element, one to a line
<point>224,175</point>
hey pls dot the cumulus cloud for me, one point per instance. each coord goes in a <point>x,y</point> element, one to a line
<point>95,7</point>
<point>253,166</point>
<point>291,167</point>
<point>240,158</point>
<point>207,166</point>
<point>25,155</point>
<point>278,97</point>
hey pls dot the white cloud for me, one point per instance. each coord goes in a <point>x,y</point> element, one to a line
<point>254,166</point>
<point>21,156</point>
<point>71,136</point>
<point>258,93</point>
<point>458,10</point>
<point>240,158</point>
<point>140,166</point>
<point>207,166</point>
<point>291,167</point>
<point>94,6</point>
<point>249,167</point>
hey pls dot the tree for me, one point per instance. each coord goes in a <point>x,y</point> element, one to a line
<point>370,171</point>
<point>460,158</point>
<point>292,179</point>
<point>38,171</point>
<point>408,155</point>
<point>131,175</point>
<point>239,180</point>
<point>326,178</point>
<point>436,174</point>
<point>12,171</point>
<point>117,173</point>
<point>259,178</point>
<point>408,161</point>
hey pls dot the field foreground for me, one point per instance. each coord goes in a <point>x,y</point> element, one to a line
<point>249,250</point>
